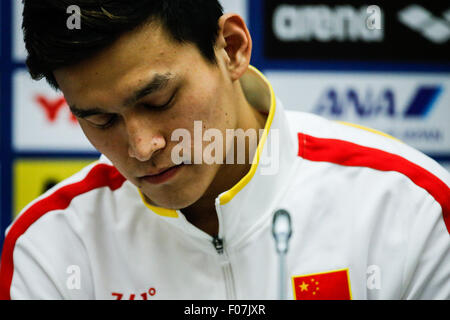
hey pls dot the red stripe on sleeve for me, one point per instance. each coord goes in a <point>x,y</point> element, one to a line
<point>101,175</point>
<point>350,154</point>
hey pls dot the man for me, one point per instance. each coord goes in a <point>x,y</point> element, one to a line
<point>152,220</point>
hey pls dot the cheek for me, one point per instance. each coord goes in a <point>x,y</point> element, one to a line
<point>209,105</point>
<point>202,113</point>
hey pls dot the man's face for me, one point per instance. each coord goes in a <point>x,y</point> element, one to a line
<point>131,97</point>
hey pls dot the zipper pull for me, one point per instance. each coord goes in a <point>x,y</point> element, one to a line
<point>218,244</point>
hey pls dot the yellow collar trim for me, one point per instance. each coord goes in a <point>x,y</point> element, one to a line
<point>170,213</point>
<point>226,197</point>
<point>368,129</point>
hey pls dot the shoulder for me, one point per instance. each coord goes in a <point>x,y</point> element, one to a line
<point>347,144</point>
<point>50,222</point>
<point>87,182</point>
<point>343,146</point>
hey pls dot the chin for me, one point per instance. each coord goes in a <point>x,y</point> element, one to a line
<point>174,201</point>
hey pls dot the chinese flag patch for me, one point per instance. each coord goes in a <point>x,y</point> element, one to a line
<point>331,285</point>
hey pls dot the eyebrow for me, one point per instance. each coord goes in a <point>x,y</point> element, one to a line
<point>158,82</point>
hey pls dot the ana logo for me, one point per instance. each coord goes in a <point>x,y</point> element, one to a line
<point>423,101</point>
<point>430,27</point>
<point>372,103</point>
<point>52,107</point>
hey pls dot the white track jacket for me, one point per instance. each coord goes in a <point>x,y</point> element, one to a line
<point>370,218</point>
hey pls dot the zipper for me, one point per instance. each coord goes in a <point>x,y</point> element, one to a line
<point>218,243</point>
<point>226,268</point>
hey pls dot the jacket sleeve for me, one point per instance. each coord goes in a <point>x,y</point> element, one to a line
<point>34,277</point>
<point>427,266</point>
<point>47,262</point>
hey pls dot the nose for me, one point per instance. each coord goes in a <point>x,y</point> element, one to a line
<point>143,141</point>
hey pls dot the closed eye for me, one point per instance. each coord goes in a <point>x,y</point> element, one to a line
<point>101,121</point>
<point>162,106</point>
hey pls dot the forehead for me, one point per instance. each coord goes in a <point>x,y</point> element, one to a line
<point>135,57</point>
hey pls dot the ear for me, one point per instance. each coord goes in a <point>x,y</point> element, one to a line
<point>235,39</point>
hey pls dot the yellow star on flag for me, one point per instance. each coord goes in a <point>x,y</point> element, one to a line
<point>304,286</point>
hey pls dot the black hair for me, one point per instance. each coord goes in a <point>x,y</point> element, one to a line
<point>51,44</point>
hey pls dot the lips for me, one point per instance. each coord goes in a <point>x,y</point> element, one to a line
<point>163,176</point>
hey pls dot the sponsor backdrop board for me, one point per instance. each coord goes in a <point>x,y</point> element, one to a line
<point>411,107</point>
<point>355,34</point>
<point>381,64</point>
<point>32,177</point>
<point>357,30</point>
<point>42,119</point>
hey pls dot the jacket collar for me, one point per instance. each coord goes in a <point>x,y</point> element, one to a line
<point>250,203</point>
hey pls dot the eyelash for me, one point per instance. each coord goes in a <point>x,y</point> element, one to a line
<point>161,107</point>
<point>108,124</point>
<point>111,121</point>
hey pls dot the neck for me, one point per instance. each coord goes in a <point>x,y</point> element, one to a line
<point>202,213</point>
